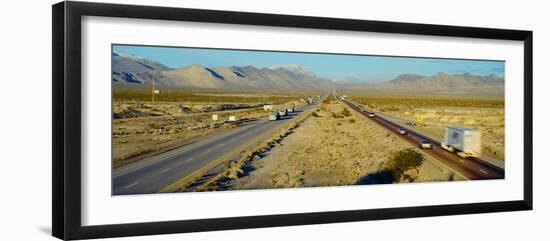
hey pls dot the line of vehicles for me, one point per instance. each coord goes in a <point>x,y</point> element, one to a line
<point>465,142</point>
<point>277,115</point>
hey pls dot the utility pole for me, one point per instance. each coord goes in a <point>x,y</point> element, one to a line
<point>153,93</point>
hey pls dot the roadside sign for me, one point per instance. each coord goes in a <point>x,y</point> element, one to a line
<point>232,118</point>
<point>156,91</point>
<point>215,117</point>
<point>419,119</point>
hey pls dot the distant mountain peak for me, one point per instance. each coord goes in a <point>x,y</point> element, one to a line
<point>128,68</point>
<point>406,78</point>
<point>289,67</point>
<point>286,66</point>
<point>126,55</point>
<point>295,69</point>
<point>194,66</point>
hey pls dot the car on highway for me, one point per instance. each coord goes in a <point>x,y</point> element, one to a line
<point>425,144</point>
<point>371,114</point>
<point>402,131</point>
<point>283,112</point>
<point>274,116</point>
<point>290,109</point>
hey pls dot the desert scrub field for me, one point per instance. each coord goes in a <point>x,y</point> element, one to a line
<point>126,93</point>
<point>483,114</point>
<point>140,129</point>
<point>336,146</point>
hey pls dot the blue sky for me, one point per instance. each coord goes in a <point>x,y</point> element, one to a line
<point>332,66</point>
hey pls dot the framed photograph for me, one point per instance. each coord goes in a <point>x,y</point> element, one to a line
<point>170,120</point>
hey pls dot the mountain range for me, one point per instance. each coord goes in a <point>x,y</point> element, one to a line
<point>438,84</point>
<point>134,70</point>
<point>128,69</point>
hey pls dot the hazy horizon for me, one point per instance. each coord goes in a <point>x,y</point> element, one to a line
<point>355,68</point>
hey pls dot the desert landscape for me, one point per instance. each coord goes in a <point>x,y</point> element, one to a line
<point>141,128</point>
<point>204,126</point>
<point>331,146</point>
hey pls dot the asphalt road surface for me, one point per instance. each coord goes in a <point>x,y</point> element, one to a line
<point>470,168</point>
<point>154,173</point>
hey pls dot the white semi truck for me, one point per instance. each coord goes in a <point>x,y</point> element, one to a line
<point>464,141</point>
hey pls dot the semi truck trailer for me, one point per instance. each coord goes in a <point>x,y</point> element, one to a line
<point>464,141</point>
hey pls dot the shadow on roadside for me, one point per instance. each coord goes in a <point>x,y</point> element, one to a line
<point>380,177</point>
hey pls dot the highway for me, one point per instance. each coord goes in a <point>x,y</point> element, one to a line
<point>152,174</point>
<point>470,168</point>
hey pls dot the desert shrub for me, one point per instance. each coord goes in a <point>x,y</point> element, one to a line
<point>235,170</point>
<point>314,114</point>
<point>345,112</point>
<point>154,125</point>
<point>390,108</point>
<point>351,121</point>
<point>403,161</point>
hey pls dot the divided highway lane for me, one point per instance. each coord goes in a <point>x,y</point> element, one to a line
<point>470,168</point>
<point>154,173</point>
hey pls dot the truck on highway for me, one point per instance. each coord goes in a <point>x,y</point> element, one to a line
<point>290,109</point>
<point>464,141</point>
<point>274,116</point>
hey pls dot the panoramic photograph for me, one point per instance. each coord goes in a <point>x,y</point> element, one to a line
<point>202,119</point>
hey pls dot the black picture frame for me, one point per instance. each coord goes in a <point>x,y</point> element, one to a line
<point>66,47</point>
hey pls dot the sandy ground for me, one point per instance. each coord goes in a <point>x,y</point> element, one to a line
<point>140,129</point>
<point>331,148</point>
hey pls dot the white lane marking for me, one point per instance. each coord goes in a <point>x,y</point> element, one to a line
<point>209,150</point>
<point>131,185</point>
<point>223,144</point>
<point>483,171</point>
<point>190,159</point>
<point>165,170</point>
